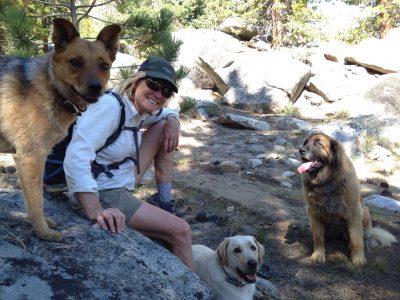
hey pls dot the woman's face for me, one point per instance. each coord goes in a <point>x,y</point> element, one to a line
<point>151,95</point>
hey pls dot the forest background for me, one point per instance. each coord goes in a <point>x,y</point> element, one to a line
<point>26,25</point>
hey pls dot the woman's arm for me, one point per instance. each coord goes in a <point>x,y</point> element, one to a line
<point>109,219</point>
<point>170,136</point>
<point>90,133</point>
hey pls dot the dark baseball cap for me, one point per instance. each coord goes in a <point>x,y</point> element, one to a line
<point>159,67</point>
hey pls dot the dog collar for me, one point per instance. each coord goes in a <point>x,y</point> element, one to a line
<point>69,106</point>
<point>72,108</point>
<point>233,280</point>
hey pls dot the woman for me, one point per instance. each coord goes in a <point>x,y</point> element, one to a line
<point>106,196</point>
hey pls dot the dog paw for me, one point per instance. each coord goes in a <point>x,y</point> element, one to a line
<point>358,260</point>
<point>51,223</point>
<point>50,235</point>
<point>318,257</point>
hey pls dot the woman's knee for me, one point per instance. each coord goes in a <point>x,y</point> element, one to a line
<point>181,230</point>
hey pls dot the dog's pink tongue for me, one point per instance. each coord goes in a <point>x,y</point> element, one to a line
<point>304,167</point>
<point>251,277</point>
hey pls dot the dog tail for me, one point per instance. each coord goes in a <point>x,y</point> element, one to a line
<point>380,238</point>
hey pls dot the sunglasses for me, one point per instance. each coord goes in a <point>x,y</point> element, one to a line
<point>156,86</point>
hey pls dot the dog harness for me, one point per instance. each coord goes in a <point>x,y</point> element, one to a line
<point>232,280</point>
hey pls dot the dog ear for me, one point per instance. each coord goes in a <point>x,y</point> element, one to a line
<point>334,145</point>
<point>64,32</point>
<point>222,252</point>
<point>261,250</point>
<point>109,37</point>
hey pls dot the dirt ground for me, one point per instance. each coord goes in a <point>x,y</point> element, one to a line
<point>253,202</point>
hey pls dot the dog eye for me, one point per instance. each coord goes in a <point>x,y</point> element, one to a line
<point>75,62</point>
<point>252,247</point>
<point>104,66</point>
<point>318,143</point>
<point>237,250</point>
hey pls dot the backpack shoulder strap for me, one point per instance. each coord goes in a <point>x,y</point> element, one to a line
<point>111,139</point>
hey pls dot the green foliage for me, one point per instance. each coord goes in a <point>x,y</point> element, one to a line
<point>181,73</point>
<point>291,111</point>
<point>125,72</point>
<point>261,235</point>
<point>342,114</point>
<point>368,144</point>
<point>187,104</point>
<point>186,11</point>
<point>169,47</point>
<point>17,32</point>
<point>150,33</point>
<point>214,12</point>
<point>381,14</point>
<point>385,142</point>
<point>297,26</point>
<point>367,28</point>
<point>212,110</point>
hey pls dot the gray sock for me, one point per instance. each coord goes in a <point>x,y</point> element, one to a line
<point>165,191</point>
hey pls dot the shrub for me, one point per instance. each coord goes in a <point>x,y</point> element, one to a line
<point>187,104</point>
<point>342,114</point>
<point>291,111</point>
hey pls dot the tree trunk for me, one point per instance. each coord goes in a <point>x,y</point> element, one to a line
<point>74,15</point>
<point>276,24</point>
<point>386,18</point>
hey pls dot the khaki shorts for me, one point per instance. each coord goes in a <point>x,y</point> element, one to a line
<point>119,198</point>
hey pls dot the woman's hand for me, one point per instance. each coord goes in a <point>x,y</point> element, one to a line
<point>108,219</point>
<point>112,219</point>
<point>170,136</point>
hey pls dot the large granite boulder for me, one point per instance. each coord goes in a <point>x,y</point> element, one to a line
<point>88,264</point>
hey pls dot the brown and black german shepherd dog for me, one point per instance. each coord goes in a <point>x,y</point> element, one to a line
<point>332,193</point>
<point>41,97</point>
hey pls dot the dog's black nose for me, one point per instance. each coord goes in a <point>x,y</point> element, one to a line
<point>252,264</point>
<point>302,151</point>
<point>94,86</point>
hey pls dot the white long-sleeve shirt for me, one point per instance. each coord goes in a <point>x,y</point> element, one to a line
<point>90,133</point>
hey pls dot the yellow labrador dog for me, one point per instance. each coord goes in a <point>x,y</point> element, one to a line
<point>230,271</point>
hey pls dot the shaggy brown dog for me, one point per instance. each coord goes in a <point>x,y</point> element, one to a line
<point>39,99</point>
<point>331,190</point>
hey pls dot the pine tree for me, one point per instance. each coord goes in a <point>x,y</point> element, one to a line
<point>18,39</point>
<point>150,33</point>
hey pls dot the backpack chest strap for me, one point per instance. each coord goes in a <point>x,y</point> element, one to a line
<point>135,137</point>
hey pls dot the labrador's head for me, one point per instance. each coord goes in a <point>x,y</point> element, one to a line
<point>240,256</point>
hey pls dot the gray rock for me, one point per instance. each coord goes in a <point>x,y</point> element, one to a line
<point>238,27</point>
<point>88,264</point>
<point>286,184</point>
<point>288,174</point>
<point>279,148</point>
<point>255,162</point>
<point>378,54</point>
<point>386,93</point>
<point>256,87</point>
<point>237,121</point>
<point>255,149</point>
<point>265,289</point>
<point>383,202</point>
<point>294,163</point>
<point>230,166</point>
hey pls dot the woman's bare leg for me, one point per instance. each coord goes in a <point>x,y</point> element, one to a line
<point>151,148</point>
<point>157,223</point>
